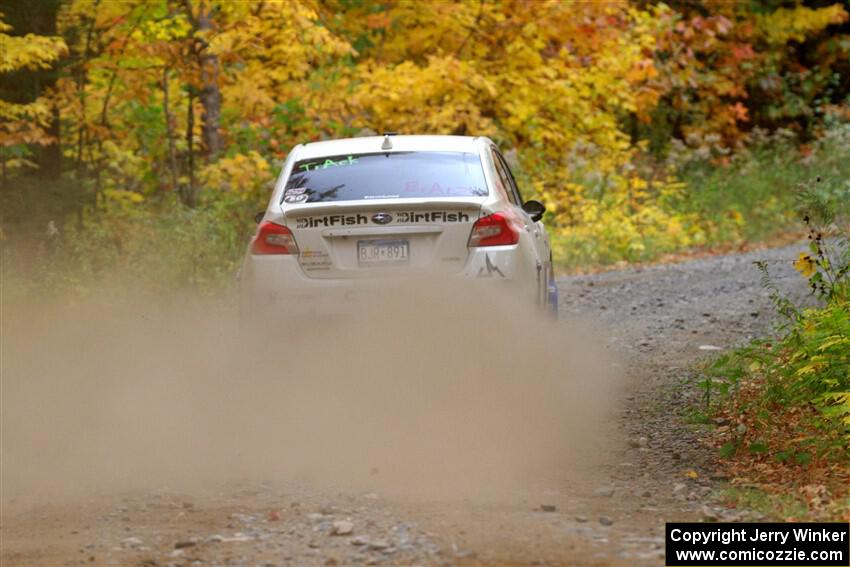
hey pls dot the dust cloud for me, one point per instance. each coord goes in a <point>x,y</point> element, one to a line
<point>425,390</point>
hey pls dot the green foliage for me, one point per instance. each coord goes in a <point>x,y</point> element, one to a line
<point>773,506</point>
<point>156,245</point>
<point>826,208</point>
<point>752,198</point>
<point>792,394</point>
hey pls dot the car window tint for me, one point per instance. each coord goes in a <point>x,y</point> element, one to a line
<point>392,175</point>
<point>504,177</point>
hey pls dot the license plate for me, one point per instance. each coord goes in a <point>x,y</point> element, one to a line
<point>382,252</point>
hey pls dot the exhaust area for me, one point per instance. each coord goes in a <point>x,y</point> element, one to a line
<point>428,390</point>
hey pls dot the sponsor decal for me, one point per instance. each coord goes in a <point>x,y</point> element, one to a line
<point>324,164</point>
<point>315,260</point>
<point>404,217</point>
<point>434,216</point>
<point>332,220</point>
<point>489,268</point>
<point>295,199</point>
<point>437,190</point>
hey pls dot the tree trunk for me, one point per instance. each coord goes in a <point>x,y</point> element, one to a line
<point>50,155</point>
<point>169,131</point>
<point>82,78</point>
<point>79,158</point>
<point>191,196</point>
<point>210,93</point>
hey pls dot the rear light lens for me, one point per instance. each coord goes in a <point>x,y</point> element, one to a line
<point>273,238</point>
<point>497,229</point>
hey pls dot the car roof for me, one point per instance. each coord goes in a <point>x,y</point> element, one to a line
<point>372,144</point>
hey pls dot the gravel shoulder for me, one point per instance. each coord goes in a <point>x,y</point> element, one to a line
<point>657,321</point>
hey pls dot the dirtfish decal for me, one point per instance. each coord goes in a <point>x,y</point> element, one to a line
<point>435,216</point>
<point>332,220</point>
<point>404,217</point>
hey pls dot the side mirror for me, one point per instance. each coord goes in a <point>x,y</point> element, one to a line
<point>259,216</point>
<point>535,209</point>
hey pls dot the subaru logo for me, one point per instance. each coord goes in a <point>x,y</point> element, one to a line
<point>382,218</point>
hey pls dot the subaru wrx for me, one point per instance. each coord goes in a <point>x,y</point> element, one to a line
<point>345,213</point>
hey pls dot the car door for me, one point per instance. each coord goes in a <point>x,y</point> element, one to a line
<point>539,239</point>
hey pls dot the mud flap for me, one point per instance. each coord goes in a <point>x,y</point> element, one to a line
<point>552,299</point>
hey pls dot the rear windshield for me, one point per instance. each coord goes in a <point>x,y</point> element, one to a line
<point>394,175</point>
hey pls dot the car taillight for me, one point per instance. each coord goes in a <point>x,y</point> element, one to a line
<point>494,230</point>
<point>273,238</point>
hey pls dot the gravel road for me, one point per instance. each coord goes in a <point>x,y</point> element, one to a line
<point>658,321</point>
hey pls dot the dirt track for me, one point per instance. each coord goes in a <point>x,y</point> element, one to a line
<point>655,321</point>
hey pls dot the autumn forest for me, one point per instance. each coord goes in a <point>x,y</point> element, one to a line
<point>139,138</point>
<point>628,119</point>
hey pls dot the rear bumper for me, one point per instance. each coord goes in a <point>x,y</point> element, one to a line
<point>272,283</point>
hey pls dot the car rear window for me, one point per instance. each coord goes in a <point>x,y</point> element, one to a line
<point>394,175</point>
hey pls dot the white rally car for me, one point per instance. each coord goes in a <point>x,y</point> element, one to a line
<point>348,212</point>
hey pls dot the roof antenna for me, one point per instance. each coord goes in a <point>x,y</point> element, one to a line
<point>387,145</point>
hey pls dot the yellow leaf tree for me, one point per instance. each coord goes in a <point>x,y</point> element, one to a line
<point>24,123</point>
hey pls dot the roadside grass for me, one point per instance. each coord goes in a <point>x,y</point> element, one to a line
<point>780,406</point>
<point>784,448</point>
<point>761,503</point>
<point>749,199</point>
<point>155,244</point>
<point>810,503</point>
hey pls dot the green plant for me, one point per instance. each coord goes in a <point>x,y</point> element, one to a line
<point>826,208</point>
<point>789,397</point>
<point>156,244</point>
